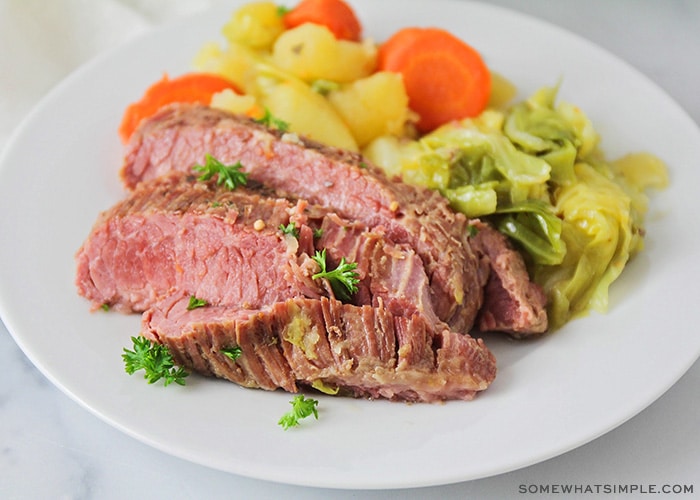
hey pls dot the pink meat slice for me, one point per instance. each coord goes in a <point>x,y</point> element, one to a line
<point>180,136</point>
<point>361,351</point>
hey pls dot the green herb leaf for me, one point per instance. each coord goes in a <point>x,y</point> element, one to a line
<point>155,360</point>
<point>343,279</point>
<point>232,352</point>
<point>195,303</point>
<point>290,228</point>
<point>301,408</point>
<point>272,122</point>
<point>229,175</point>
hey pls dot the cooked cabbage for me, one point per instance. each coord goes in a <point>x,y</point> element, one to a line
<point>536,173</point>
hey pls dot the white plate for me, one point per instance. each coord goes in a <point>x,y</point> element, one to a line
<point>550,395</point>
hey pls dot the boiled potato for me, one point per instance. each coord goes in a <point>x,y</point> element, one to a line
<point>229,101</point>
<point>237,62</point>
<point>373,106</point>
<point>307,113</point>
<point>385,152</point>
<point>311,52</point>
<point>256,25</point>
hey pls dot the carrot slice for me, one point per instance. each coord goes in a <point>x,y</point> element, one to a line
<point>445,78</point>
<point>336,15</point>
<point>190,87</point>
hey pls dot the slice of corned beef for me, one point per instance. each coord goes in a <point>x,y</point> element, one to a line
<point>512,302</point>
<point>178,234</point>
<point>180,136</point>
<point>362,351</point>
<point>388,272</point>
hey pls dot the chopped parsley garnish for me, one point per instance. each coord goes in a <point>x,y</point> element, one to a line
<point>105,307</point>
<point>229,175</point>
<point>343,279</point>
<point>301,408</point>
<point>272,122</point>
<point>195,303</point>
<point>155,360</point>
<point>318,232</point>
<point>290,228</point>
<point>232,352</point>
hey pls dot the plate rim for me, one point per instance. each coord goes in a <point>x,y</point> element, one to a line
<point>76,75</point>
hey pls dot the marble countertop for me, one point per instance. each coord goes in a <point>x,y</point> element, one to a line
<point>51,447</point>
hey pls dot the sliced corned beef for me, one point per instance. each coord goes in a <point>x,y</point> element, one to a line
<point>177,234</point>
<point>174,233</point>
<point>512,302</point>
<point>362,351</point>
<point>389,272</point>
<point>180,136</point>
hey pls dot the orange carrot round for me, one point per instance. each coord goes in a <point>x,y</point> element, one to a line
<point>336,15</point>
<point>445,78</point>
<point>190,87</point>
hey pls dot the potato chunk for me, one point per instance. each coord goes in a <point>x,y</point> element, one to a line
<point>373,106</point>
<point>256,25</point>
<point>236,62</point>
<point>311,52</point>
<point>229,101</point>
<point>307,113</point>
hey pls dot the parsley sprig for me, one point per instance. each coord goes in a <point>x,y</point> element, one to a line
<point>301,408</point>
<point>195,303</point>
<point>290,228</point>
<point>232,353</point>
<point>155,360</point>
<point>343,279</point>
<point>271,121</point>
<point>229,175</point>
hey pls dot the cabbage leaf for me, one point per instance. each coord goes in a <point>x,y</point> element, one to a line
<point>536,173</point>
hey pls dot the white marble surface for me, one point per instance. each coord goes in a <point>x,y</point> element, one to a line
<point>51,447</point>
